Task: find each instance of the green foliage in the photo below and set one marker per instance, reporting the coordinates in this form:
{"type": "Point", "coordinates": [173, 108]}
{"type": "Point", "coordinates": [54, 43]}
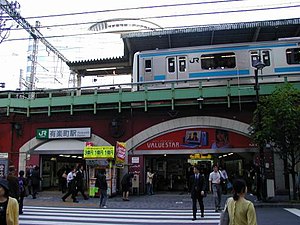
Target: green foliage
{"type": "Point", "coordinates": [279, 116]}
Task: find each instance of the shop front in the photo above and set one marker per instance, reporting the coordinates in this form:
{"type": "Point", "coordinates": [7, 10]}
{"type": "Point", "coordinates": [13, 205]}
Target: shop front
{"type": "Point", "coordinates": [100, 158]}
{"type": "Point", "coordinates": [171, 156]}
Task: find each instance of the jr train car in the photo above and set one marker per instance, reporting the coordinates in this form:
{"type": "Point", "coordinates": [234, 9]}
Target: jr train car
{"type": "Point", "coordinates": [214, 64]}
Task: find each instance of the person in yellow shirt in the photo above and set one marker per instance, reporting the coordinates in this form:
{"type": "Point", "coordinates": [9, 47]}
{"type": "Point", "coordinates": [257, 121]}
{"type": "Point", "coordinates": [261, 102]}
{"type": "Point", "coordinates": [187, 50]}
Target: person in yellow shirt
{"type": "Point", "coordinates": [241, 211]}
{"type": "Point", "coordinates": [9, 207]}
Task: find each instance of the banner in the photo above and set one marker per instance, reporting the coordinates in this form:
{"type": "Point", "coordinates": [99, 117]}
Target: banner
{"type": "Point", "coordinates": [98, 152]}
{"type": "Point", "coordinates": [197, 138]}
{"type": "Point", "coordinates": [120, 153]}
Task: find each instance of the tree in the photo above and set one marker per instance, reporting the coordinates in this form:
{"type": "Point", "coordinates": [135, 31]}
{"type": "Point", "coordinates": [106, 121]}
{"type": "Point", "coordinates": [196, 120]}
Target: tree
{"type": "Point", "coordinates": [276, 122]}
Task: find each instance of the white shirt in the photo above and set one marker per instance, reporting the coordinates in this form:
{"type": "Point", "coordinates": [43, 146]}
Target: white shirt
{"type": "Point", "coordinates": [70, 177]}
{"type": "Point", "coordinates": [215, 177]}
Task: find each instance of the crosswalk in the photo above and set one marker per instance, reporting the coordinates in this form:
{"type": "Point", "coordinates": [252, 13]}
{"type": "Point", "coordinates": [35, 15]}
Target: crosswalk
{"type": "Point", "coordinates": [35, 215]}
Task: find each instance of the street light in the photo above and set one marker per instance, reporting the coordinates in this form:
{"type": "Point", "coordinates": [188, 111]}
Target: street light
{"type": "Point", "coordinates": [259, 65]}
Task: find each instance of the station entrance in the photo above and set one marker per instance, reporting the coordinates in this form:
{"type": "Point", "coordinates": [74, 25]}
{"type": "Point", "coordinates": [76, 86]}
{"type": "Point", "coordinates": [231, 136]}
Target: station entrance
{"type": "Point", "coordinates": [172, 172]}
{"type": "Point", "coordinates": [53, 166]}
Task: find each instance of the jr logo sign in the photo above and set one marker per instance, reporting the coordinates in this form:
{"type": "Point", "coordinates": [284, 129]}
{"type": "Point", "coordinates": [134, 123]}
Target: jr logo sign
{"type": "Point", "coordinates": [42, 134]}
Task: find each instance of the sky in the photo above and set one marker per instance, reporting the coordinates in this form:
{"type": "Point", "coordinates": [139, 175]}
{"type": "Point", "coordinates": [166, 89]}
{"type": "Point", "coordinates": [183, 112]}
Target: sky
{"type": "Point", "coordinates": [76, 42]}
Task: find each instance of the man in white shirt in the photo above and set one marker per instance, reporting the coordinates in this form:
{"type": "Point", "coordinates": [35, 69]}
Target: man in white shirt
{"type": "Point", "coordinates": [215, 186]}
{"type": "Point", "coordinates": [71, 186]}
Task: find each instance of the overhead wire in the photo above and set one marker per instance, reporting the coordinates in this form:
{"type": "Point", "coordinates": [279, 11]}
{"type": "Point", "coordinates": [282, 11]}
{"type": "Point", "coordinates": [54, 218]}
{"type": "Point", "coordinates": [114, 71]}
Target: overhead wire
{"type": "Point", "coordinates": [136, 8]}
{"type": "Point", "coordinates": [169, 16]}
{"type": "Point", "coordinates": [153, 17]}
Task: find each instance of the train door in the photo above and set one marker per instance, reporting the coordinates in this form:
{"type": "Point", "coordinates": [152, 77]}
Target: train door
{"type": "Point", "coordinates": [177, 69]}
{"type": "Point", "coordinates": [264, 56]}
{"type": "Point", "coordinates": [148, 70]}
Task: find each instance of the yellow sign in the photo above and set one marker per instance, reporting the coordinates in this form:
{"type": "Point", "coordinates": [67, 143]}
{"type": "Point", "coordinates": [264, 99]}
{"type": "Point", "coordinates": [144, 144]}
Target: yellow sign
{"type": "Point", "coordinates": [99, 152]}
{"type": "Point", "coordinates": [200, 156]}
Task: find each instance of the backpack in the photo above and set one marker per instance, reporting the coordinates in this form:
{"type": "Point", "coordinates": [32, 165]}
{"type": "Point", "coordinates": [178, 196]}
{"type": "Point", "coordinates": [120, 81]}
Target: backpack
{"type": "Point", "coordinates": [21, 185]}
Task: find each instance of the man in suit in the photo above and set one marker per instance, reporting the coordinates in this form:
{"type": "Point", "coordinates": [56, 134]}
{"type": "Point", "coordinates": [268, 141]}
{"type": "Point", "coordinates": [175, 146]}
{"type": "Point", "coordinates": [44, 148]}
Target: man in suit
{"type": "Point", "coordinates": [197, 189]}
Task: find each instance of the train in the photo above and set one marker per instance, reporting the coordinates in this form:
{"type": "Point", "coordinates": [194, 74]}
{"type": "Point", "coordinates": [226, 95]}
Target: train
{"type": "Point", "coordinates": [214, 64]}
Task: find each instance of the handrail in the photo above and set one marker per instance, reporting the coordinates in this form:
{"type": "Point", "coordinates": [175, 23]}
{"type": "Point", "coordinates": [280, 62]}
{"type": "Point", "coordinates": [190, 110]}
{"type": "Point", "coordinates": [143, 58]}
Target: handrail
{"type": "Point", "coordinates": [128, 86]}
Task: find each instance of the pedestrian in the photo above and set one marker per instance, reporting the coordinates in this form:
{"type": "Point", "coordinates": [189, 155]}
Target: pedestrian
{"type": "Point", "coordinates": [197, 190]}
{"type": "Point", "coordinates": [101, 183]}
{"type": "Point", "coordinates": [35, 178]}
{"type": "Point", "coordinates": [62, 179]}
{"type": "Point", "coordinates": [71, 183]}
{"type": "Point", "coordinates": [13, 183]}
{"type": "Point", "coordinates": [9, 207]}
{"type": "Point", "coordinates": [149, 182]}
{"type": "Point", "coordinates": [240, 210]}
{"type": "Point", "coordinates": [29, 171]}
{"type": "Point", "coordinates": [225, 181]}
{"type": "Point", "coordinates": [215, 180]}
{"type": "Point", "coordinates": [80, 182]}
{"type": "Point", "coordinates": [22, 187]}
{"type": "Point", "coordinates": [126, 185]}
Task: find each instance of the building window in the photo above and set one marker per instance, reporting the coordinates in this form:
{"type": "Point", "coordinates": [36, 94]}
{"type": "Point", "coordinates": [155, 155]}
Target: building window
{"type": "Point", "coordinates": [293, 56]}
{"type": "Point", "coordinates": [218, 61]}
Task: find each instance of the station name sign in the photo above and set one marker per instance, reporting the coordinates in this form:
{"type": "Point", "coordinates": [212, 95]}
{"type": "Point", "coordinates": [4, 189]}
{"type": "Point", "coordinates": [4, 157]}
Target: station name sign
{"type": "Point", "coordinates": [64, 133]}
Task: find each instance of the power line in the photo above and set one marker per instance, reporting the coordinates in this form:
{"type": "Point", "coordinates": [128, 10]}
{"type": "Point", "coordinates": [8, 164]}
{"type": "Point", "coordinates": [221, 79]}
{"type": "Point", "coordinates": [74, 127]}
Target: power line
{"type": "Point", "coordinates": [135, 8]}
{"type": "Point", "coordinates": [166, 16]}
{"type": "Point", "coordinates": [163, 16]}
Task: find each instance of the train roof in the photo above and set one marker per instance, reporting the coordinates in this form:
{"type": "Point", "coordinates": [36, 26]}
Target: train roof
{"type": "Point", "coordinates": [187, 37]}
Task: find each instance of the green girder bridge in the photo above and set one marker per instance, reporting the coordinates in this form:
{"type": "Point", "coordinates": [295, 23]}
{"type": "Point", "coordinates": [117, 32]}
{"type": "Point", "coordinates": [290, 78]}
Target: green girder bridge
{"type": "Point", "coordinates": [121, 96]}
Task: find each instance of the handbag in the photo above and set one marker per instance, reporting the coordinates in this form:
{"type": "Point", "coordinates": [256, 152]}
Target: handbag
{"type": "Point", "coordinates": [224, 217]}
{"type": "Point", "coordinates": [229, 185]}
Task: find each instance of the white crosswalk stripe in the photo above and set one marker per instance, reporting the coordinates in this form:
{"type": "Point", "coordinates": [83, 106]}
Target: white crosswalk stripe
{"type": "Point", "coordinates": [34, 215]}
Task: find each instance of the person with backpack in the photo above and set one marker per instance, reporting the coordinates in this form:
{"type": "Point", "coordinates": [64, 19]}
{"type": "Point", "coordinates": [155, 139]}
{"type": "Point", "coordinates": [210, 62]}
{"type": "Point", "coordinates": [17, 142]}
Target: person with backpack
{"type": "Point", "coordinates": [22, 187]}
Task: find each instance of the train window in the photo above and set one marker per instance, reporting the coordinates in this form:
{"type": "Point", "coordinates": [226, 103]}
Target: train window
{"type": "Point", "coordinates": [293, 56]}
{"type": "Point", "coordinates": [182, 64]}
{"type": "Point", "coordinates": [171, 65]}
{"type": "Point", "coordinates": [148, 65]}
{"type": "Point", "coordinates": [218, 61]}
{"type": "Point", "coordinates": [257, 55]}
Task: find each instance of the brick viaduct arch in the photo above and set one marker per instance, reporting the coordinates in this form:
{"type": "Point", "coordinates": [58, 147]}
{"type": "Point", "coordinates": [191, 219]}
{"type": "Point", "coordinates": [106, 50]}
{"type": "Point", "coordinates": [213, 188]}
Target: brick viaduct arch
{"type": "Point", "coordinates": [147, 134]}
{"type": "Point", "coordinates": [187, 122]}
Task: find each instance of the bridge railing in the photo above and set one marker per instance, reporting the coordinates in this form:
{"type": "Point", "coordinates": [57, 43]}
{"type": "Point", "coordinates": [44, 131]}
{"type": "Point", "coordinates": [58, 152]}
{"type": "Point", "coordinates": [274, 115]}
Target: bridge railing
{"type": "Point", "coordinates": [149, 85]}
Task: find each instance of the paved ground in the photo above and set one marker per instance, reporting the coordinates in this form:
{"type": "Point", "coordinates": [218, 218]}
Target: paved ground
{"type": "Point", "coordinates": [157, 201]}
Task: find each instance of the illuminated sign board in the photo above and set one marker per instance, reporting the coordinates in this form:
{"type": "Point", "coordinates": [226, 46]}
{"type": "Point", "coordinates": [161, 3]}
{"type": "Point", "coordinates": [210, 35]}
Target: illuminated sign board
{"type": "Point", "coordinates": [98, 152]}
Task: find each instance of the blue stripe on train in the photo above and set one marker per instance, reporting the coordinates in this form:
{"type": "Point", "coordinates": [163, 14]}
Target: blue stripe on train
{"type": "Point", "coordinates": [219, 73]}
{"type": "Point", "coordinates": [287, 69]}
{"type": "Point", "coordinates": [159, 77]}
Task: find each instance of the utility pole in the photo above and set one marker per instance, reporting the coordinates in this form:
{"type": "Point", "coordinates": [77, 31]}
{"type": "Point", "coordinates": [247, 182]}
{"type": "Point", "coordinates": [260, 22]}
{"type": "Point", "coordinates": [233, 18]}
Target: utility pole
{"type": "Point", "coordinates": [11, 11]}
{"type": "Point", "coordinates": [261, 181]}
{"type": "Point", "coordinates": [33, 59]}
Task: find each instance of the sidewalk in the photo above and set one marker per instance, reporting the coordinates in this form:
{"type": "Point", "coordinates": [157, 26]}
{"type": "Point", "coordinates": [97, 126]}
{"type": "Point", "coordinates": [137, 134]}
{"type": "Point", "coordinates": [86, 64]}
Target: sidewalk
{"type": "Point", "coordinates": [157, 201]}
